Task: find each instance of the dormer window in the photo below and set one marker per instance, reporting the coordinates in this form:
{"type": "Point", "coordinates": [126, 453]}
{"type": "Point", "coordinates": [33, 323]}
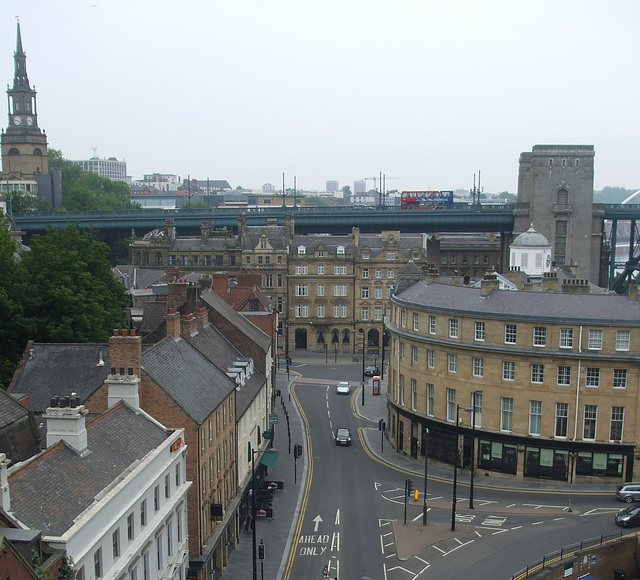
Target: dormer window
{"type": "Point", "coordinates": [301, 250]}
{"type": "Point", "coordinates": [340, 251]}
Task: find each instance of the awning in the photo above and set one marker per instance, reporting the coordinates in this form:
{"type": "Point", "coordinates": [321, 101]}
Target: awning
{"type": "Point", "coordinates": [269, 457]}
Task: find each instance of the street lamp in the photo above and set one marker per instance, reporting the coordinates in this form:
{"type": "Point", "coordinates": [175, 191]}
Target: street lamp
{"type": "Point", "coordinates": [361, 330]}
{"type": "Point", "coordinates": [426, 458]}
{"type": "Point", "coordinates": [455, 471]}
{"type": "Point", "coordinates": [473, 441]}
{"type": "Point", "coordinates": [253, 510]}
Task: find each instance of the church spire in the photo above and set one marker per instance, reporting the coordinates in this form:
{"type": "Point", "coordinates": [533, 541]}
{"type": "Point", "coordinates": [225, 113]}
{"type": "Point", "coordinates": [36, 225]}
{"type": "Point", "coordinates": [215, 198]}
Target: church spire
{"type": "Point", "coordinates": [20, 78]}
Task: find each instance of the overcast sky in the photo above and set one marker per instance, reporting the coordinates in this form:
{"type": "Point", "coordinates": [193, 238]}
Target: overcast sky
{"type": "Point", "coordinates": [426, 92]}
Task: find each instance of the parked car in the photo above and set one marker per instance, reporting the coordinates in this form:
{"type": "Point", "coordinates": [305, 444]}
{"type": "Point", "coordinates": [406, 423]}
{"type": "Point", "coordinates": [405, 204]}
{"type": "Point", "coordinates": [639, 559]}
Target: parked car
{"type": "Point", "coordinates": [628, 492]}
{"type": "Point", "coordinates": [371, 371]}
{"type": "Point", "coordinates": [343, 436]}
{"type": "Point", "coordinates": [343, 388]}
{"type": "Point", "coordinates": [629, 517]}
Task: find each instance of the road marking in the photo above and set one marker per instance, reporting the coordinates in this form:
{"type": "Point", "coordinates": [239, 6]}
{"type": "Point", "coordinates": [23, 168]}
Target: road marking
{"type": "Point", "coordinates": [493, 521]}
{"type": "Point", "coordinates": [336, 522]}
{"type": "Point", "coordinates": [536, 523]}
{"type": "Point", "coordinates": [335, 542]}
{"type": "Point", "coordinates": [317, 521]}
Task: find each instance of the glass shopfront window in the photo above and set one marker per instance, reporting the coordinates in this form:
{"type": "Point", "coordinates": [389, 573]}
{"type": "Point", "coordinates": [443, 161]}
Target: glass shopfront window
{"type": "Point", "coordinates": [543, 463]}
{"type": "Point", "coordinates": [497, 456]}
{"type": "Point", "coordinates": [593, 463]}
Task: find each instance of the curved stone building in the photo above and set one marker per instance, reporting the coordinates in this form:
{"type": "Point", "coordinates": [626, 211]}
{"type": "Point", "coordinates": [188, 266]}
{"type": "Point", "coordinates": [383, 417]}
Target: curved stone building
{"type": "Point", "coordinates": [553, 373]}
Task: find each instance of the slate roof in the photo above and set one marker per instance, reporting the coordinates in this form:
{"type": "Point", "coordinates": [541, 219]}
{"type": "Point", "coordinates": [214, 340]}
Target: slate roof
{"type": "Point", "coordinates": [229, 313]}
{"type": "Point", "coordinates": [187, 376]}
{"type": "Point", "coordinates": [56, 486]}
{"type": "Point", "coordinates": [329, 243]}
{"type": "Point", "coordinates": [19, 437]}
{"type": "Point", "coordinates": [47, 370]}
{"type": "Point", "coordinates": [219, 351]}
{"type": "Point", "coordinates": [277, 236]}
{"type": "Point", "coordinates": [137, 277]}
{"type": "Point", "coordinates": [152, 316]}
{"type": "Point", "coordinates": [600, 309]}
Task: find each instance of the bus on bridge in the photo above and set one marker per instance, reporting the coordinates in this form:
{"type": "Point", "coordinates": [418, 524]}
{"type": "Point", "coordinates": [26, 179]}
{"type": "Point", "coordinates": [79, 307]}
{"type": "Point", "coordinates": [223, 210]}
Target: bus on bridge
{"type": "Point", "coordinates": [426, 200]}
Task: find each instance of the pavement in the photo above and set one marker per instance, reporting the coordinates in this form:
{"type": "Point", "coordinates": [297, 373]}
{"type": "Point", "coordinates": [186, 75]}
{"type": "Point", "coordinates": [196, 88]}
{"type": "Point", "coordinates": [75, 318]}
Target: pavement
{"type": "Point", "coordinates": [410, 538]}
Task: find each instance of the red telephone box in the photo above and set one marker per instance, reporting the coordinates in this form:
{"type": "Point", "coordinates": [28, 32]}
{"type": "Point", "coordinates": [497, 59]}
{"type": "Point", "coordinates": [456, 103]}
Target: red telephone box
{"type": "Point", "coordinates": [376, 385]}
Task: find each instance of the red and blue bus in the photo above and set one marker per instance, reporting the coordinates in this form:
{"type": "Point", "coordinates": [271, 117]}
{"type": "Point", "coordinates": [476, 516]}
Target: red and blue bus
{"type": "Point", "coordinates": [426, 200]}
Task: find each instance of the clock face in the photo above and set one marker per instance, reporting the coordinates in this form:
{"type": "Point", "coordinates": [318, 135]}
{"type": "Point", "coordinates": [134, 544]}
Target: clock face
{"type": "Point", "coordinates": [29, 121]}
{"type": "Point", "coordinates": [17, 120]}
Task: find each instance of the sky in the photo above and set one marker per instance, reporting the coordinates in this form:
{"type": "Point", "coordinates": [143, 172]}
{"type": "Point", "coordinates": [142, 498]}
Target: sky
{"type": "Point", "coordinates": [429, 93]}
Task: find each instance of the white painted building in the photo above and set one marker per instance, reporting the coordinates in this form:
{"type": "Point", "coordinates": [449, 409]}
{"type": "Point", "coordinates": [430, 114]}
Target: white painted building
{"type": "Point", "coordinates": [531, 252]}
{"type": "Point", "coordinates": [112, 493]}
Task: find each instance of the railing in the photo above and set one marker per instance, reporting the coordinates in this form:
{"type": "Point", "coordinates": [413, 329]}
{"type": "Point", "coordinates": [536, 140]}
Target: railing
{"type": "Point", "coordinates": [567, 552]}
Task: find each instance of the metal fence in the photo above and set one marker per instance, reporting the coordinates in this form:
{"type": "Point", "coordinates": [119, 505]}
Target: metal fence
{"type": "Point", "coordinates": [568, 552]}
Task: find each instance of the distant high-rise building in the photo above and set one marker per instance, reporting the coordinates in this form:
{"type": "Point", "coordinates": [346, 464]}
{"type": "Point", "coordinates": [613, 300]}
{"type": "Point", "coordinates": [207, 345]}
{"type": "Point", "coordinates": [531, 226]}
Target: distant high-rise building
{"type": "Point", "coordinates": [268, 188]}
{"type": "Point", "coordinates": [110, 168]}
{"type": "Point", "coordinates": [332, 185]}
{"type": "Point", "coordinates": [359, 186]}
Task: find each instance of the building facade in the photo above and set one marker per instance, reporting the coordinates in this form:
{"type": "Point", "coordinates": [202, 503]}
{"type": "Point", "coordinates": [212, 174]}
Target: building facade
{"type": "Point", "coordinates": [550, 377]}
{"type": "Point", "coordinates": [555, 192]}
{"type": "Point", "coordinates": [110, 168]}
{"type": "Point", "coordinates": [129, 515]}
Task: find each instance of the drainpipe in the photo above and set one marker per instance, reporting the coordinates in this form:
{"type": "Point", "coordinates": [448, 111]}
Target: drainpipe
{"type": "Point", "coordinates": [575, 426]}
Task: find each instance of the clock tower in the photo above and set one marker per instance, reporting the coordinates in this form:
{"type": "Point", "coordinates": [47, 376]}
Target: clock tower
{"type": "Point", "coordinates": [24, 144]}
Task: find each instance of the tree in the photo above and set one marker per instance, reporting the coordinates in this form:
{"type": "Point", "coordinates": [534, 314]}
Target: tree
{"type": "Point", "coordinates": [86, 191]}
{"type": "Point", "coordinates": [77, 298]}
{"type": "Point", "coordinates": [346, 193]}
{"type": "Point", "coordinates": [15, 327]}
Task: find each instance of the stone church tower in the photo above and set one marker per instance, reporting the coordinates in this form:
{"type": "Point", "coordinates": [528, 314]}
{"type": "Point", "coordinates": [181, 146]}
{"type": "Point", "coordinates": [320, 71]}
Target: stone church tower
{"type": "Point", "coordinates": [555, 191]}
{"type": "Point", "coordinates": [25, 157]}
{"type": "Point", "coordinates": [24, 145]}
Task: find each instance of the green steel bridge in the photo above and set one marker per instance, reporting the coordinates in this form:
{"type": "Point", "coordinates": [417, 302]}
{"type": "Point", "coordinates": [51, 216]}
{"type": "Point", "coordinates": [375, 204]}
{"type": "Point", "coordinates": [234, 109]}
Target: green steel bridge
{"type": "Point", "coordinates": [340, 220]}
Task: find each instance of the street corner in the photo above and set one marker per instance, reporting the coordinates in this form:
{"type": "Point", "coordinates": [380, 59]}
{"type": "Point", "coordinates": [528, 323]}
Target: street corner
{"type": "Point", "coordinates": [413, 537]}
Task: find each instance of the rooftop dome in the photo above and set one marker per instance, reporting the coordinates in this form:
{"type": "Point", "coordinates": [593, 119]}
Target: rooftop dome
{"type": "Point", "coordinates": [530, 239]}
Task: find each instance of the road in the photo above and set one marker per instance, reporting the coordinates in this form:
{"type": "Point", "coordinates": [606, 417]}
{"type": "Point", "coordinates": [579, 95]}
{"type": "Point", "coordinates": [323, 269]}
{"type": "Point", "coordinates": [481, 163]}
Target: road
{"type": "Point", "coordinates": [353, 513]}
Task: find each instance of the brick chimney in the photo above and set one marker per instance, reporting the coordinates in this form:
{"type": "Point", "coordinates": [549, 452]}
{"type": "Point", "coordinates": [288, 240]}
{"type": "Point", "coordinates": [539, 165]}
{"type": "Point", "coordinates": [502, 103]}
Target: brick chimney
{"type": "Point", "coordinates": [125, 352]}
{"type": "Point", "coordinates": [575, 286]}
{"type": "Point", "coordinates": [355, 234]}
{"type": "Point", "coordinates": [189, 324]}
{"type": "Point", "coordinates": [489, 282]}
{"type": "Point", "coordinates": [5, 497]}
{"type": "Point", "coordinates": [202, 317]}
{"type": "Point", "coordinates": [65, 420]}
{"type": "Point", "coordinates": [173, 323]}
{"type": "Point", "coordinates": [550, 282]}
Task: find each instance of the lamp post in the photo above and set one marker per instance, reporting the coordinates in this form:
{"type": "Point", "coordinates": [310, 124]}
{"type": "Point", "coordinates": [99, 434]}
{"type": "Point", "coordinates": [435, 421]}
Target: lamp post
{"type": "Point", "coordinates": [361, 330]}
{"type": "Point", "coordinates": [426, 459]}
{"type": "Point", "coordinates": [473, 441]}
{"type": "Point", "coordinates": [455, 472]}
{"type": "Point", "coordinates": [253, 511]}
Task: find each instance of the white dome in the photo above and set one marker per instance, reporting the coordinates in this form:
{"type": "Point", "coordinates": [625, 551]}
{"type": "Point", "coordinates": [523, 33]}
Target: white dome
{"type": "Point", "coordinates": [530, 239]}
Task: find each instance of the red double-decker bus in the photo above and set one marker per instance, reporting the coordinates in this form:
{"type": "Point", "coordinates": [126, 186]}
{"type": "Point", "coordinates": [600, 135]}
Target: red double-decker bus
{"type": "Point", "coordinates": [426, 199]}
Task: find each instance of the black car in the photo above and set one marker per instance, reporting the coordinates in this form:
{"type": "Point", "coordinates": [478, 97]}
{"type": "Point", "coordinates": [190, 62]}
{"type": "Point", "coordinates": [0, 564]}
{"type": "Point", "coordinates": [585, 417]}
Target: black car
{"type": "Point", "coordinates": [629, 517]}
{"type": "Point", "coordinates": [343, 436]}
{"type": "Point", "coordinates": [371, 371]}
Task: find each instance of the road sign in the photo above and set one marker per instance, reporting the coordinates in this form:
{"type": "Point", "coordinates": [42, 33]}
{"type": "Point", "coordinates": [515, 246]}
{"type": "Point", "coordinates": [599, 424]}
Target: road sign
{"type": "Point", "coordinates": [273, 419]}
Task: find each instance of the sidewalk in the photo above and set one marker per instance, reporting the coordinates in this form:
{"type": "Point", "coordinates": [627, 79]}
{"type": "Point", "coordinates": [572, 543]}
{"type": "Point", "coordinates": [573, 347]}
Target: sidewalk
{"type": "Point", "coordinates": [278, 533]}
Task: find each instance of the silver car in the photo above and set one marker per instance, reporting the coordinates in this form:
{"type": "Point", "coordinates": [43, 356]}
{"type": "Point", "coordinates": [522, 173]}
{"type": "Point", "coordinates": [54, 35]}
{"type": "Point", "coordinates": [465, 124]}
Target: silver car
{"type": "Point", "coordinates": [628, 492]}
{"type": "Point", "coordinates": [343, 388]}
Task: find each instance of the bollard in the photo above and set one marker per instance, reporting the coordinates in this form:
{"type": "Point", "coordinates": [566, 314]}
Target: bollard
{"type": "Point", "coordinates": [570, 505]}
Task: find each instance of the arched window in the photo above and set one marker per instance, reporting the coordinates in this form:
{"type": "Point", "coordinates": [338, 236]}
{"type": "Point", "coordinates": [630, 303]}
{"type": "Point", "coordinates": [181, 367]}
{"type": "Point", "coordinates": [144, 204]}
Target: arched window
{"type": "Point", "coordinates": [345, 336]}
{"type": "Point", "coordinates": [334, 336]}
{"type": "Point", "coordinates": [562, 197]}
{"type": "Point", "coordinates": [14, 151]}
{"type": "Point", "coordinates": [37, 151]}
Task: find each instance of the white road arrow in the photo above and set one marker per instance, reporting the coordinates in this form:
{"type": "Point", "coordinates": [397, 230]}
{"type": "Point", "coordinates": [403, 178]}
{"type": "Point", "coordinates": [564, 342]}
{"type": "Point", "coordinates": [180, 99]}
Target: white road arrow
{"type": "Point", "coordinates": [317, 521]}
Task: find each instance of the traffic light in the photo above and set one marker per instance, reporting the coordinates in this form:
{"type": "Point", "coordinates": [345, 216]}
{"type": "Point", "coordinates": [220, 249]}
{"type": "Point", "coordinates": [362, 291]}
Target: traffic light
{"type": "Point", "coordinates": [261, 550]}
{"type": "Point", "coordinates": [409, 487]}
{"type": "Point", "coordinates": [297, 451]}
{"type": "Point", "coordinates": [415, 494]}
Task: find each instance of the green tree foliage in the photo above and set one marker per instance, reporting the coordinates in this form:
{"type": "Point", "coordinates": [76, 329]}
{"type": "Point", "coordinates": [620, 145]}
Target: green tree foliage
{"type": "Point", "coordinates": [71, 294]}
{"type": "Point", "coordinates": [613, 195]}
{"type": "Point", "coordinates": [87, 191]}
{"type": "Point", "coordinates": [15, 327]}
